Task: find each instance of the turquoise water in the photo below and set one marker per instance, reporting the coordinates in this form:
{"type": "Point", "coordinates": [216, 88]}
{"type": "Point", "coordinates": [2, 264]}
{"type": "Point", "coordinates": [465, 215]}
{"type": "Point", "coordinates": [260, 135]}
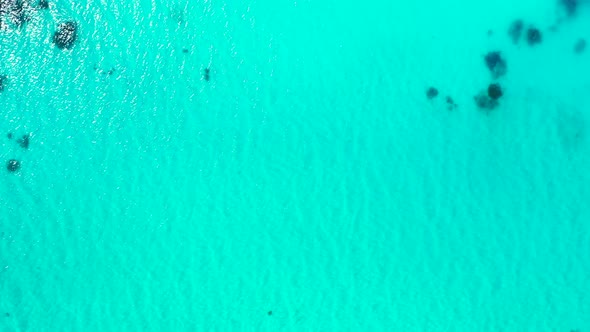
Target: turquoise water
{"type": "Point", "coordinates": [309, 185]}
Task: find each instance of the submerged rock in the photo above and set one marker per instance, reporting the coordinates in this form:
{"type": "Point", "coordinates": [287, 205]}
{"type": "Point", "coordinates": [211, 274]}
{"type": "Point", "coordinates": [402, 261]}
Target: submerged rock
{"type": "Point", "coordinates": [13, 165]}
{"type": "Point", "coordinates": [534, 36]}
{"type": "Point", "coordinates": [66, 35]}
{"type": "Point", "coordinates": [496, 64]}
{"type": "Point", "coordinates": [580, 46]}
{"type": "Point", "coordinates": [206, 74]}
{"type": "Point", "coordinates": [484, 102]}
{"type": "Point", "coordinates": [431, 92]}
{"type": "Point", "coordinates": [570, 6]}
{"type": "Point", "coordinates": [2, 82]}
{"type": "Point", "coordinates": [43, 4]}
{"type": "Point", "coordinates": [18, 13]}
{"type": "Point", "coordinates": [451, 103]}
{"type": "Point", "coordinates": [24, 141]}
{"type": "Point", "coordinates": [515, 31]}
{"type": "Point", "coordinates": [495, 91]}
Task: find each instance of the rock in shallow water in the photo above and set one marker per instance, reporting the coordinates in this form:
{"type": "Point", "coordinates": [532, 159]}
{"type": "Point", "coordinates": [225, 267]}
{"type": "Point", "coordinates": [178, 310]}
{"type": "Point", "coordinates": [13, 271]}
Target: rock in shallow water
{"type": "Point", "coordinates": [496, 64]}
{"type": "Point", "coordinates": [534, 36]}
{"type": "Point", "coordinates": [66, 35]}
{"type": "Point", "coordinates": [13, 165]}
{"type": "Point", "coordinates": [484, 102]}
{"type": "Point", "coordinates": [580, 46]}
{"type": "Point", "coordinates": [515, 30]}
{"type": "Point", "coordinates": [431, 92]}
{"type": "Point", "coordinates": [495, 91]}
{"type": "Point", "coordinates": [24, 141]}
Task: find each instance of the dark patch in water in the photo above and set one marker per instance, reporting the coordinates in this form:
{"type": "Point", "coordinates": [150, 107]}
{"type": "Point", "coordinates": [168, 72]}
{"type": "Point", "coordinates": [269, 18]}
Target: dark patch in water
{"type": "Point", "coordinates": [534, 36]}
{"type": "Point", "coordinates": [515, 31]}
{"type": "Point", "coordinates": [66, 35]}
{"type": "Point", "coordinates": [580, 46]}
{"type": "Point", "coordinates": [484, 102]}
{"type": "Point", "coordinates": [570, 6]}
{"type": "Point", "coordinates": [451, 103]}
{"type": "Point", "coordinates": [13, 165]}
{"type": "Point", "coordinates": [431, 92]}
{"type": "Point", "coordinates": [495, 91]}
{"type": "Point", "coordinates": [496, 64]}
{"type": "Point", "coordinates": [2, 82]}
{"type": "Point", "coordinates": [24, 141]}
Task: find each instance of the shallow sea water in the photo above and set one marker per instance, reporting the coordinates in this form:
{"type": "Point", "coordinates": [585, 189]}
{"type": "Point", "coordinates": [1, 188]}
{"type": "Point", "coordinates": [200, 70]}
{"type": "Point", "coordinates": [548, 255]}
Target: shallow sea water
{"type": "Point", "coordinates": [309, 185]}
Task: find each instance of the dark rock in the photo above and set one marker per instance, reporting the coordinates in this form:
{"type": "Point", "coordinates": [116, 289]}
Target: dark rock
{"type": "Point", "coordinates": [534, 36]}
{"type": "Point", "coordinates": [13, 165]}
{"type": "Point", "coordinates": [450, 103]}
{"type": "Point", "coordinates": [24, 142]}
{"type": "Point", "coordinates": [495, 91]}
{"type": "Point", "coordinates": [270, 313]}
{"type": "Point", "coordinates": [515, 31]}
{"type": "Point", "coordinates": [484, 102]}
{"type": "Point", "coordinates": [66, 35]}
{"type": "Point", "coordinates": [496, 64]}
{"type": "Point", "coordinates": [43, 4]}
{"type": "Point", "coordinates": [206, 74]}
{"type": "Point", "coordinates": [431, 93]}
{"type": "Point", "coordinates": [18, 14]}
{"type": "Point", "coordinates": [580, 46]}
{"type": "Point", "coordinates": [9, 135]}
{"type": "Point", "coordinates": [2, 82]}
{"type": "Point", "coordinates": [570, 6]}
{"type": "Point", "coordinates": [184, 50]}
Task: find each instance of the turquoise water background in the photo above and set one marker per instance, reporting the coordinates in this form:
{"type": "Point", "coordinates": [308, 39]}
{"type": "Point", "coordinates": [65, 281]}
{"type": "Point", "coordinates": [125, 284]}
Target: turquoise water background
{"type": "Point", "coordinates": [310, 185]}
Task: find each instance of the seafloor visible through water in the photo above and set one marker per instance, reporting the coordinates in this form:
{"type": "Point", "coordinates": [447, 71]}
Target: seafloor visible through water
{"type": "Point", "coordinates": [258, 165]}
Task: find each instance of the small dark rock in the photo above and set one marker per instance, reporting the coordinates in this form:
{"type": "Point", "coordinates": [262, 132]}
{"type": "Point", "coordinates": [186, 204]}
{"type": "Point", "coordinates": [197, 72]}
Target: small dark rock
{"type": "Point", "coordinates": [206, 74]}
{"type": "Point", "coordinates": [184, 50]}
{"type": "Point", "coordinates": [515, 31]}
{"type": "Point", "coordinates": [580, 46]}
{"type": "Point", "coordinates": [495, 91]}
{"type": "Point", "coordinates": [431, 93]}
{"type": "Point", "coordinates": [270, 313]}
{"type": "Point", "coordinates": [2, 81]}
{"type": "Point", "coordinates": [7, 314]}
{"type": "Point", "coordinates": [13, 165]}
{"type": "Point", "coordinates": [483, 101]}
{"type": "Point", "coordinates": [450, 103]}
{"type": "Point", "coordinates": [9, 135]}
{"type": "Point", "coordinates": [24, 142]}
{"type": "Point", "coordinates": [570, 6]}
{"type": "Point", "coordinates": [18, 14]}
{"type": "Point", "coordinates": [534, 36]}
{"type": "Point", "coordinates": [496, 64]}
{"type": "Point", "coordinates": [66, 35]}
{"type": "Point", "coordinates": [43, 4]}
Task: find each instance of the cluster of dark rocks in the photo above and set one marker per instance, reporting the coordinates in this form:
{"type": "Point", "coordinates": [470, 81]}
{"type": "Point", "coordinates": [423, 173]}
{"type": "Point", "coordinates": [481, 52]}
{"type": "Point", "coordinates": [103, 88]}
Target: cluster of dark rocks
{"type": "Point", "coordinates": [432, 93]}
{"type": "Point", "coordinates": [489, 98]}
{"type": "Point", "coordinates": [13, 165]}
{"type": "Point", "coordinates": [17, 13]}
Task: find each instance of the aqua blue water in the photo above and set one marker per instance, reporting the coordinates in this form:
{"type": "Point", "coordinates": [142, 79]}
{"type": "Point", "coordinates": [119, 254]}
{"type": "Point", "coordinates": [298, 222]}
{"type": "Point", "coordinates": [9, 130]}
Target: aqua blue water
{"type": "Point", "coordinates": [309, 185]}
